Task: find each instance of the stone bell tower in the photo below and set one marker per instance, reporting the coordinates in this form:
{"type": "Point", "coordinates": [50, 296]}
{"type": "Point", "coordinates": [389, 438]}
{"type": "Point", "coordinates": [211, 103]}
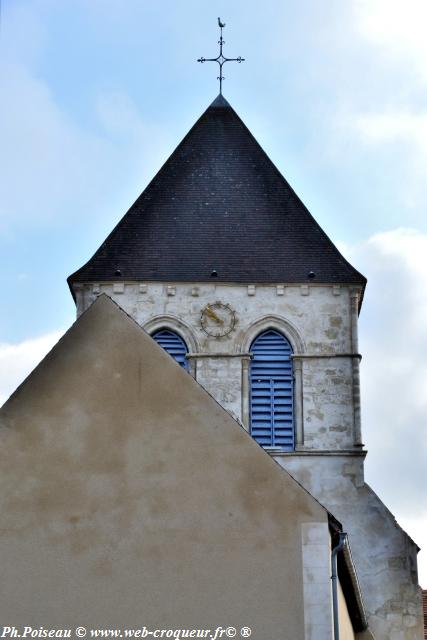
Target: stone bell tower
{"type": "Point", "coordinates": [220, 261]}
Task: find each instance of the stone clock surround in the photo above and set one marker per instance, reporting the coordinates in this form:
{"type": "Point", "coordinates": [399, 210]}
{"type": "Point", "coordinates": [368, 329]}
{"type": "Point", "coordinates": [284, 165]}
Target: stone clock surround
{"type": "Point", "coordinates": [217, 319]}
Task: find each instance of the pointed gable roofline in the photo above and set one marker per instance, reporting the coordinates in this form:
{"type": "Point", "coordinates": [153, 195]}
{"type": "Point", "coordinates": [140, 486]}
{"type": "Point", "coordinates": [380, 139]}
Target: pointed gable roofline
{"type": "Point", "coordinates": [218, 204]}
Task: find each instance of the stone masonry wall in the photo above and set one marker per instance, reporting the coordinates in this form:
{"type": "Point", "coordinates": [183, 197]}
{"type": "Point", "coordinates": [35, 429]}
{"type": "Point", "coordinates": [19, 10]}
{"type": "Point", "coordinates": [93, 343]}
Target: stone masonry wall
{"type": "Point", "coordinates": [321, 324]}
{"type": "Point", "coordinates": [315, 319]}
{"type": "Point", "coordinates": [384, 555]}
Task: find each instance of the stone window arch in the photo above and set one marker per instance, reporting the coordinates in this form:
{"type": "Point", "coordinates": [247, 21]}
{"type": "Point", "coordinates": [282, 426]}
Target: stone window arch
{"type": "Point", "coordinates": [173, 344]}
{"type": "Point", "coordinates": [297, 345]}
{"type": "Point", "coordinates": [277, 323]}
{"type": "Point", "coordinates": [166, 323]}
{"type": "Point", "coordinates": [272, 391]}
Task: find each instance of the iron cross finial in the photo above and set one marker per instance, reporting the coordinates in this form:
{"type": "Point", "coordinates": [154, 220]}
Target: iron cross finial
{"type": "Point", "coordinates": [221, 59]}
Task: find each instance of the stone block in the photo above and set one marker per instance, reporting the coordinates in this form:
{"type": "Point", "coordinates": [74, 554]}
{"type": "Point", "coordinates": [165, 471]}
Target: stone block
{"type": "Point", "coordinates": [315, 533]}
{"type": "Point", "coordinates": [316, 556]}
{"type": "Point", "coordinates": [410, 621]}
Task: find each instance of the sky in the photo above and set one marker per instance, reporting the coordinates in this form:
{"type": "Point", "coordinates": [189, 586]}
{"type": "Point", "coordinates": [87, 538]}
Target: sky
{"type": "Point", "coordinates": [95, 95]}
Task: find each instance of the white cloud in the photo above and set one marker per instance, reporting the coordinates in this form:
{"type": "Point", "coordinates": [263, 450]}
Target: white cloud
{"type": "Point", "coordinates": [416, 527]}
{"type": "Point", "coordinates": [141, 145]}
{"type": "Point", "coordinates": [393, 342]}
{"type": "Point", "coordinates": [399, 130]}
{"type": "Point", "coordinates": [392, 126]}
{"type": "Point", "coordinates": [59, 163]}
{"type": "Point", "coordinates": [392, 141]}
{"type": "Point", "coordinates": [24, 34]}
{"type": "Point", "coordinates": [18, 360]}
{"type": "Point", "coordinates": [54, 169]}
{"type": "Point", "coordinates": [119, 115]}
{"type": "Point", "coordinates": [397, 27]}
{"type": "Point", "coordinates": [46, 160]}
{"type": "Point", "coordinates": [401, 265]}
{"type": "Point", "coordinates": [381, 113]}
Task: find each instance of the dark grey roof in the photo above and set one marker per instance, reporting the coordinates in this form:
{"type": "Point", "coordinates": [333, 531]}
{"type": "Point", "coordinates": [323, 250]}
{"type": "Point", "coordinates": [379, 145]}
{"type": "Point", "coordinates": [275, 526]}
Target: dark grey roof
{"type": "Point", "coordinates": [218, 203]}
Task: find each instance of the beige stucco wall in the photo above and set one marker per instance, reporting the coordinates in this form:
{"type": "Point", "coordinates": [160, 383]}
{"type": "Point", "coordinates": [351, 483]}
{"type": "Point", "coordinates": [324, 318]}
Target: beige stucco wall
{"type": "Point", "coordinates": [129, 497]}
{"type": "Point", "coordinates": [344, 622]}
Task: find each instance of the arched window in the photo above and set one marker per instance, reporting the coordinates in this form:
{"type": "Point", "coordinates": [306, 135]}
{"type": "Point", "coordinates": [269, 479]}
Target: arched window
{"type": "Point", "coordinates": [173, 344]}
{"type": "Point", "coordinates": [271, 384]}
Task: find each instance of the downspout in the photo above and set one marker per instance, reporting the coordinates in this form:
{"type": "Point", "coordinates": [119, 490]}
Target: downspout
{"type": "Point", "coordinates": [334, 578]}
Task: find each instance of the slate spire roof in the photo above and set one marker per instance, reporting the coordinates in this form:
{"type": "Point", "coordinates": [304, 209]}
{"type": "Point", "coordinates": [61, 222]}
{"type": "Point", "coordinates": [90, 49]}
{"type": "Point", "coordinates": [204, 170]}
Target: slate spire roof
{"type": "Point", "coordinates": [218, 204]}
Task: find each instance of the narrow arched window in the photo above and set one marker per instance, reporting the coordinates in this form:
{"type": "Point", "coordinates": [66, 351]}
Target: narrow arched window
{"type": "Point", "coordinates": [271, 390]}
{"type": "Point", "coordinates": [173, 344]}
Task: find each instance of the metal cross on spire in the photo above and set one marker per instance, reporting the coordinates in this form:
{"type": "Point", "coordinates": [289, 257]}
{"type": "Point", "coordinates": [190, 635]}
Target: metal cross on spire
{"type": "Point", "coordinates": [221, 59]}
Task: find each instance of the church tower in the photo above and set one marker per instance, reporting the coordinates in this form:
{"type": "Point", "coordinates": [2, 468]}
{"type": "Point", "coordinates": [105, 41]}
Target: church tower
{"type": "Point", "coordinates": [223, 265]}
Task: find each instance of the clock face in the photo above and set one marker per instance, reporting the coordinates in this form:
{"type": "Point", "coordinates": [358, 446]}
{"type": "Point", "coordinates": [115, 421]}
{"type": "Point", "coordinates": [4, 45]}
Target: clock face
{"type": "Point", "coordinates": [217, 319]}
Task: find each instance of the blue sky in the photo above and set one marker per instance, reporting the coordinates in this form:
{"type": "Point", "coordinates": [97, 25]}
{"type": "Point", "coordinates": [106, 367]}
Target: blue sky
{"type": "Point", "coordinates": [96, 95]}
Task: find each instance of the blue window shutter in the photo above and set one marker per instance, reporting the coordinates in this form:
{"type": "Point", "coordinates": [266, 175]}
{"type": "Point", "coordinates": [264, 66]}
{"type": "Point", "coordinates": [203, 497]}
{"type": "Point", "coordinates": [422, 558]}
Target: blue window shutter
{"type": "Point", "coordinates": [173, 344]}
{"type": "Point", "coordinates": [271, 384]}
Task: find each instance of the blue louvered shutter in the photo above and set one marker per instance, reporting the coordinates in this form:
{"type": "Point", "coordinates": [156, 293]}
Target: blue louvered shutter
{"type": "Point", "coordinates": [271, 382]}
{"type": "Point", "coordinates": [173, 344]}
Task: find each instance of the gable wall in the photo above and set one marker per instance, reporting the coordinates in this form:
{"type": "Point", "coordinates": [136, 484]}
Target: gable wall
{"type": "Point", "coordinates": [130, 497]}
